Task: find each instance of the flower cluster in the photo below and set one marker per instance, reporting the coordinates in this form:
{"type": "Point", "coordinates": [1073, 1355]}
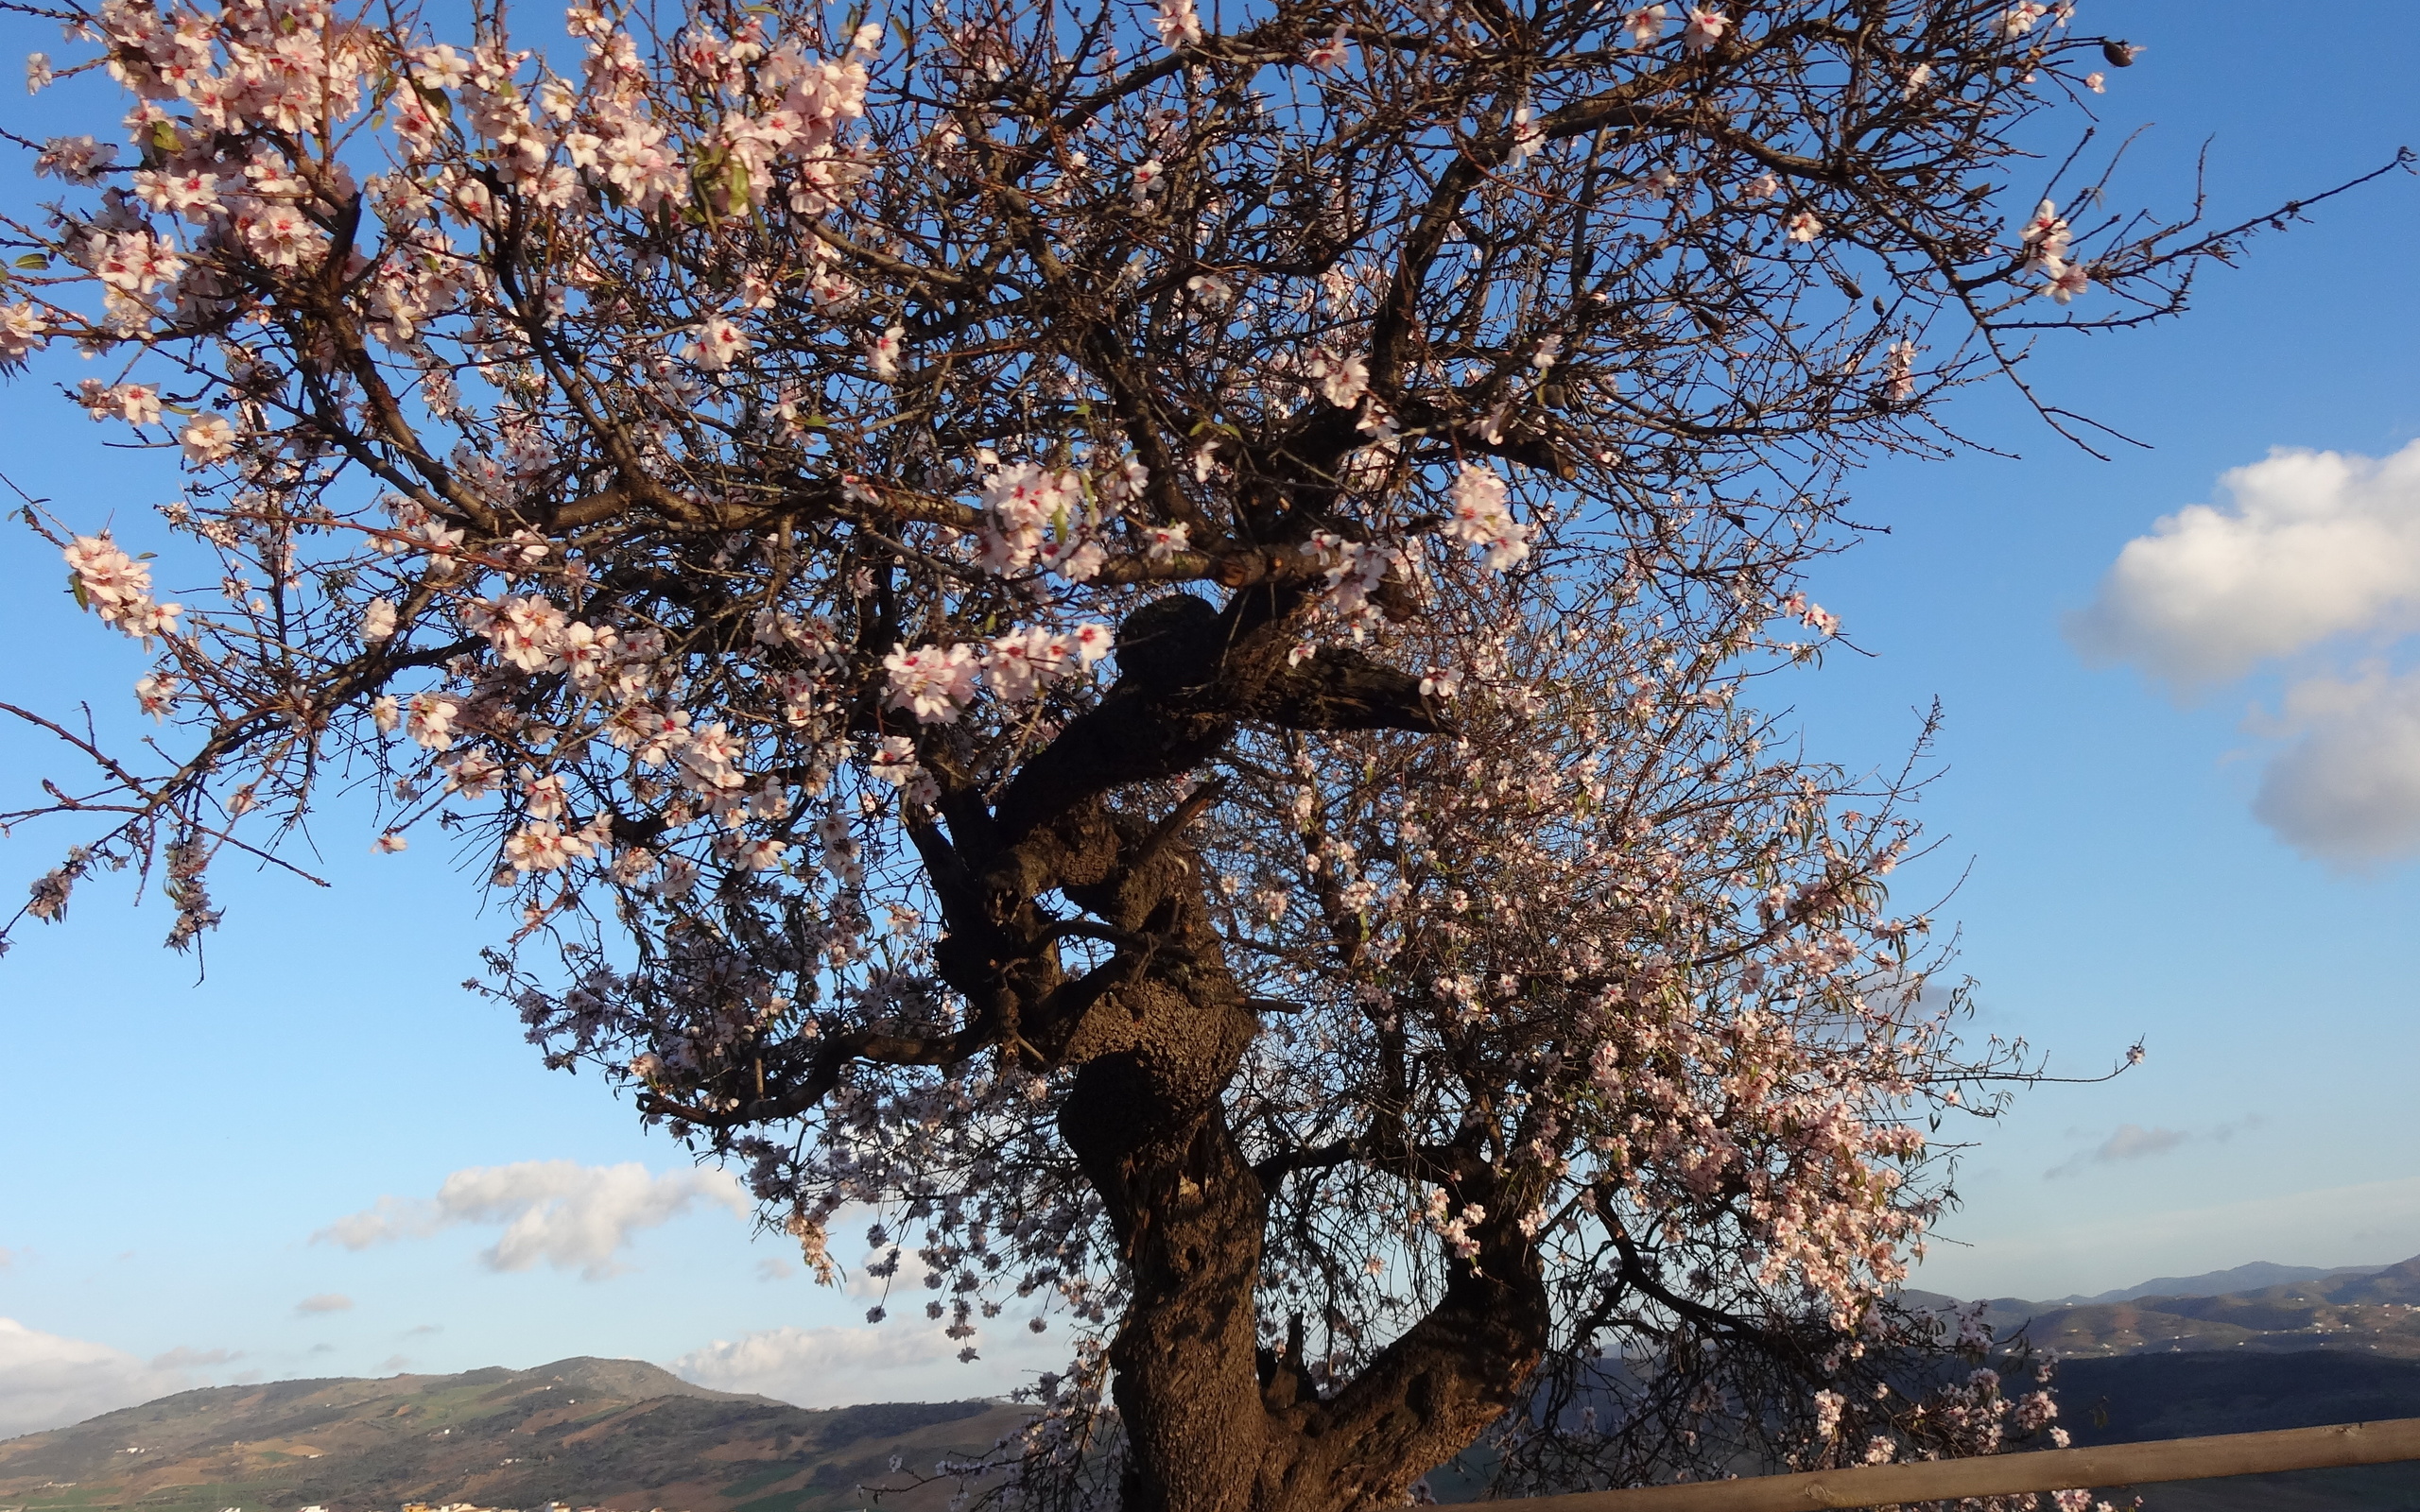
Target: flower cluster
{"type": "Point", "coordinates": [118, 588]}
{"type": "Point", "coordinates": [1482, 515]}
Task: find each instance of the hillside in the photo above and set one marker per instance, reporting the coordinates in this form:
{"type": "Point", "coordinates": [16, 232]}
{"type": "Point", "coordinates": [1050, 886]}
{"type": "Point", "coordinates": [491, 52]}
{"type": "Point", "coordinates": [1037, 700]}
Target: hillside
{"type": "Point", "coordinates": [2376, 1312]}
{"type": "Point", "coordinates": [2332, 1347]}
{"type": "Point", "coordinates": [2250, 1278]}
{"type": "Point", "coordinates": [2321, 1347]}
{"type": "Point", "coordinates": [611, 1433]}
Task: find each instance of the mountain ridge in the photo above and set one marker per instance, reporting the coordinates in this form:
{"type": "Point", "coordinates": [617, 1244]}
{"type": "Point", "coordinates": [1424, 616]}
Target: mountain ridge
{"type": "Point", "coordinates": [614, 1435]}
{"type": "Point", "coordinates": [2255, 1276]}
{"type": "Point", "coordinates": [622, 1435]}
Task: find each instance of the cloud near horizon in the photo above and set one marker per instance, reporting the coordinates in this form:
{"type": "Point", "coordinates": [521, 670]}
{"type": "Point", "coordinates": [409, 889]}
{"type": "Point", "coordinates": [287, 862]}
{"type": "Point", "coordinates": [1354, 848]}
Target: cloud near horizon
{"type": "Point", "coordinates": [565, 1215]}
{"type": "Point", "coordinates": [2311, 552]}
{"type": "Point", "coordinates": [814, 1367]}
{"type": "Point", "coordinates": [47, 1381]}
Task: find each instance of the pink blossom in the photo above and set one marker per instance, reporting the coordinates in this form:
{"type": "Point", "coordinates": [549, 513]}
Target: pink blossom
{"type": "Point", "coordinates": [762, 855]}
{"type": "Point", "coordinates": [1804, 227]}
{"type": "Point", "coordinates": [1705, 28]}
{"type": "Point", "coordinates": [1899, 371]}
{"type": "Point", "coordinates": [22, 332]}
{"type": "Point", "coordinates": [76, 159]}
{"type": "Point", "coordinates": [135, 404]}
{"type": "Point", "coordinates": [1342, 380]}
{"type": "Point", "coordinates": [882, 354]}
{"type": "Point", "coordinates": [430, 720]}
{"type": "Point", "coordinates": [894, 761]}
{"type": "Point", "coordinates": [282, 238]}
{"type": "Point", "coordinates": [207, 439]}
{"type": "Point", "coordinates": [1482, 516]}
{"type": "Point", "coordinates": [1645, 23]}
{"type": "Point", "coordinates": [153, 692]}
{"type": "Point", "coordinates": [475, 774]}
{"type": "Point", "coordinates": [932, 682]}
{"type": "Point", "coordinates": [1177, 23]}
{"type": "Point", "coordinates": [544, 846]}
{"type": "Point", "coordinates": [1162, 542]}
{"type": "Point", "coordinates": [2045, 236]}
{"type": "Point", "coordinates": [718, 344]}
{"type": "Point", "coordinates": [440, 67]}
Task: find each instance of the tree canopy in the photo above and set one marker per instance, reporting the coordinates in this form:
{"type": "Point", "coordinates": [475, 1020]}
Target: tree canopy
{"type": "Point", "coordinates": [1121, 641]}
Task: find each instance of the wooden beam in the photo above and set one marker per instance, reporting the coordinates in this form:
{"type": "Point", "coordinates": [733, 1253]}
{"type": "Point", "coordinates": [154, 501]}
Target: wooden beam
{"type": "Point", "coordinates": [2052, 1469]}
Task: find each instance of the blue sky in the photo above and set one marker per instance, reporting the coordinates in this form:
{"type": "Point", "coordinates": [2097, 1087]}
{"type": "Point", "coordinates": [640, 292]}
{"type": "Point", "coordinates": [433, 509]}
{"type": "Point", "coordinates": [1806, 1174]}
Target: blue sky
{"type": "Point", "coordinates": [169, 1149]}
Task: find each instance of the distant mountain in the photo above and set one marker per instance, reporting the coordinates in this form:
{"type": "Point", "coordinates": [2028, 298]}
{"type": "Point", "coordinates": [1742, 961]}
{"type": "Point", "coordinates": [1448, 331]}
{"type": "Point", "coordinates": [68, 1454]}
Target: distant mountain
{"type": "Point", "coordinates": [2372, 1311]}
{"type": "Point", "coordinates": [608, 1434]}
{"type": "Point", "coordinates": [2251, 1277]}
{"type": "Point", "coordinates": [2296, 1346]}
{"type": "Point", "coordinates": [2336, 1345]}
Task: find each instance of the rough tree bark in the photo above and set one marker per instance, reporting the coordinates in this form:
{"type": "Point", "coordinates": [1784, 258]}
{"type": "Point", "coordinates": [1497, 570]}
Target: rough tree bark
{"type": "Point", "coordinates": [1214, 1421]}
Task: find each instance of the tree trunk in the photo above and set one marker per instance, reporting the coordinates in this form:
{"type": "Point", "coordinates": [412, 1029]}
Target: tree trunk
{"type": "Point", "coordinates": [1212, 1423]}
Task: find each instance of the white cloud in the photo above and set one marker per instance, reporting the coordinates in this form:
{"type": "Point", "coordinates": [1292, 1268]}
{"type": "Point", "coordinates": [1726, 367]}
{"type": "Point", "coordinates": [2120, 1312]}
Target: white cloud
{"type": "Point", "coordinates": [817, 1367]}
{"type": "Point", "coordinates": [324, 1302]}
{"type": "Point", "coordinates": [2311, 551]}
{"type": "Point", "coordinates": [2349, 789]}
{"type": "Point", "coordinates": [564, 1213]}
{"type": "Point", "coordinates": [48, 1382]}
{"type": "Point", "coordinates": [2309, 546]}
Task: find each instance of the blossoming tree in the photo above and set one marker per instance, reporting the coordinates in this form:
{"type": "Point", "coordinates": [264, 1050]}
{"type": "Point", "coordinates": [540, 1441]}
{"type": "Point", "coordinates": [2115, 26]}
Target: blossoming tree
{"type": "Point", "coordinates": [1112, 639]}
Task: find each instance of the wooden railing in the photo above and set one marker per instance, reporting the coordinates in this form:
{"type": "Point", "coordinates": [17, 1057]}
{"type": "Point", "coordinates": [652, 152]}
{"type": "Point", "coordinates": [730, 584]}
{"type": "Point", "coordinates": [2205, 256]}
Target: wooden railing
{"type": "Point", "coordinates": [2053, 1469]}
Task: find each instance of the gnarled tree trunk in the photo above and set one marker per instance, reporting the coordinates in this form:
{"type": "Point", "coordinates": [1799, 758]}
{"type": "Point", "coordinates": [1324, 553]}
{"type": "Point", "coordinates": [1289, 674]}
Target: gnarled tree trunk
{"type": "Point", "coordinates": [1214, 1421]}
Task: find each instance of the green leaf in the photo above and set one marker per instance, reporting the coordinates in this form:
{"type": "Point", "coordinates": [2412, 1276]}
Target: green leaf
{"type": "Point", "coordinates": [33, 262]}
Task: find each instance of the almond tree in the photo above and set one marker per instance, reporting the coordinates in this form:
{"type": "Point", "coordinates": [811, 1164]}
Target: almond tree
{"type": "Point", "coordinates": [1114, 640]}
